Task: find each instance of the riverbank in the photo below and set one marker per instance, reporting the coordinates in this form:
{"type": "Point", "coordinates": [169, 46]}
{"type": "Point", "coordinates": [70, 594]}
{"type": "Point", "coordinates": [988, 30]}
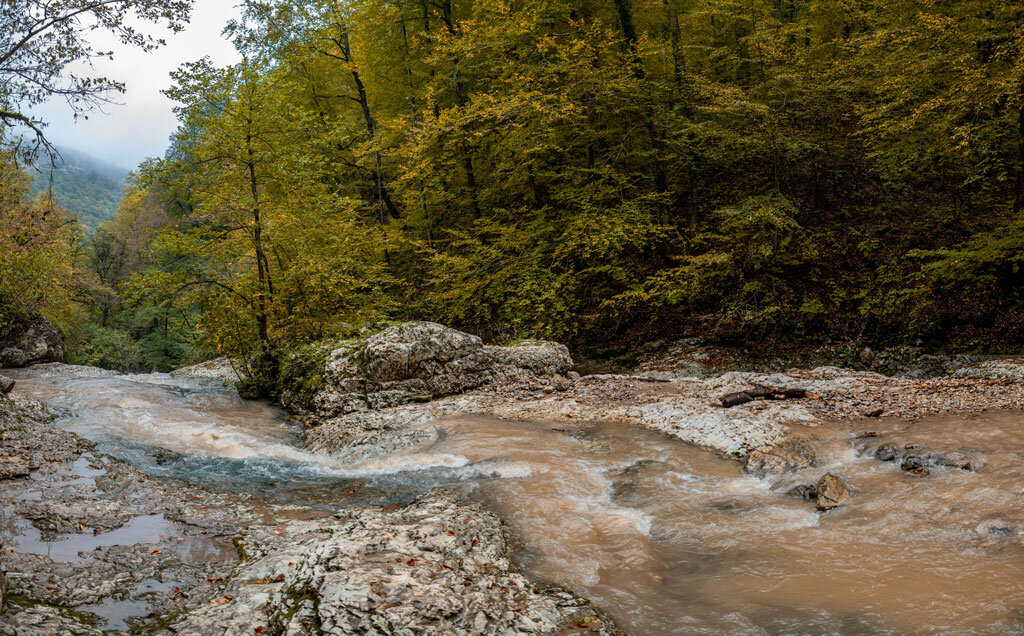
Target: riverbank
{"type": "Point", "coordinates": [688, 409]}
{"type": "Point", "coordinates": [90, 544]}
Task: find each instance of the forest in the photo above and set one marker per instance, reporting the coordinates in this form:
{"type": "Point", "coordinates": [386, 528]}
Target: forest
{"type": "Point", "coordinates": [601, 172]}
{"type": "Point", "coordinates": [89, 189]}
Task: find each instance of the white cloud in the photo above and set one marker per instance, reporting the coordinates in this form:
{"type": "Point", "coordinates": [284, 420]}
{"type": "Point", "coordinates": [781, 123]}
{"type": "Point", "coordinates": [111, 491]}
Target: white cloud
{"type": "Point", "coordinates": [139, 127]}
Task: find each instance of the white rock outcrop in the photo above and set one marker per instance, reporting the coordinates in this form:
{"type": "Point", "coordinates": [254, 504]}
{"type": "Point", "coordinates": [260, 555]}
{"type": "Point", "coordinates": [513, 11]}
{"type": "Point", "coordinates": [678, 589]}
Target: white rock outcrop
{"type": "Point", "coordinates": [435, 567]}
{"type": "Point", "coordinates": [420, 361]}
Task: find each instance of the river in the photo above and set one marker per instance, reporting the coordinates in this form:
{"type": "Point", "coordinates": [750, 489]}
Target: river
{"type": "Point", "coordinates": [664, 537]}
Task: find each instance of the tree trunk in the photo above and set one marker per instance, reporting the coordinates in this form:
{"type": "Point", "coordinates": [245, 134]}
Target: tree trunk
{"type": "Point", "coordinates": [625, 11]}
{"type": "Point", "coordinates": [262, 275]}
{"type": "Point", "coordinates": [1018, 198]}
{"type": "Point", "coordinates": [674, 36]}
{"type": "Point", "coordinates": [467, 164]}
{"type": "Point", "coordinates": [383, 196]}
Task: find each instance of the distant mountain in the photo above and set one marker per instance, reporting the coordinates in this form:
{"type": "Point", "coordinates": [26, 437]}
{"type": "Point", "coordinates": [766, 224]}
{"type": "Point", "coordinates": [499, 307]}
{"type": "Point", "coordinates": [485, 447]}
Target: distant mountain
{"type": "Point", "coordinates": [85, 186]}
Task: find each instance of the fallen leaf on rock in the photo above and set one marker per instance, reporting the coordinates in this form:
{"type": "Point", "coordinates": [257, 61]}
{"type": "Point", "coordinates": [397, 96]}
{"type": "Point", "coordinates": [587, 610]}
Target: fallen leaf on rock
{"type": "Point", "coordinates": [224, 600]}
{"type": "Point", "coordinates": [154, 552]}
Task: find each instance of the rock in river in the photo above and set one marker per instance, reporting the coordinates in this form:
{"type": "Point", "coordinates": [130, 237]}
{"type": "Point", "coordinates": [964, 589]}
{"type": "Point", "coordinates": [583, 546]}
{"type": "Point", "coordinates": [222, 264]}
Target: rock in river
{"type": "Point", "coordinates": [831, 491]}
{"type": "Point", "coordinates": [807, 492]}
{"type": "Point", "coordinates": [886, 453]}
{"type": "Point", "coordinates": [784, 458]}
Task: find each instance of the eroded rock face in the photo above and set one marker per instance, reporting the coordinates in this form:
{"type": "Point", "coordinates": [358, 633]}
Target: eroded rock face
{"type": "Point", "coordinates": [418, 361]}
{"type": "Point", "coordinates": [435, 567]}
{"type": "Point", "coordinates": [24, 341]}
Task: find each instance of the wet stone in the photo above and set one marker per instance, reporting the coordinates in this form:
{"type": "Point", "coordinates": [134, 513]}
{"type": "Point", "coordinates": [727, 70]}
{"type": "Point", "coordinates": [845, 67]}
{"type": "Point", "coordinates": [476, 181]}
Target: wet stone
{"type": "Point", "coordinates": [995, 529]}
{"type": "Point", "coordinates": [784, 458]}
{"type": "Point", "coordinates": [961, 461]}
{"type": "Point", "coordinates": [885, 453]}
{"type": "Point", "coordinates": [807, 492]}
{"type": "Point", "coordinates": [913, 462]}
{"type": "Point", "coordinates": [13, 467]}
{"type": "Point", "coordinates": [832, 492]}
{"type": "Point", "coordinates": [6, 385]}
{"type": "Point", "coordinates": [728, 505]}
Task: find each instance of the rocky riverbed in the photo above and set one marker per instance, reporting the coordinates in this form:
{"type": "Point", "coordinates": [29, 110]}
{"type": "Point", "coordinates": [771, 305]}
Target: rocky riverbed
{"type": "Point", "coordinates": [688, 408]}
{"type": "Point", "coordinates": [91, 545]}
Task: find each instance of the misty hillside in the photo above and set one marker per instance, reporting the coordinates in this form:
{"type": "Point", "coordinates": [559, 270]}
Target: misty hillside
{"type": "Point", "coordinates": [85, 186]}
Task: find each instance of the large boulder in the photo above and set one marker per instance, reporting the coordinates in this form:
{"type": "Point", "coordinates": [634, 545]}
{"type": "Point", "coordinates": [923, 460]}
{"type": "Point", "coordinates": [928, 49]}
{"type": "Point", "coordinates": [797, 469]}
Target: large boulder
{"type": "Point", "coordinates": [419, 361]}
{"type": "Point", "coordinates": [27, 340]}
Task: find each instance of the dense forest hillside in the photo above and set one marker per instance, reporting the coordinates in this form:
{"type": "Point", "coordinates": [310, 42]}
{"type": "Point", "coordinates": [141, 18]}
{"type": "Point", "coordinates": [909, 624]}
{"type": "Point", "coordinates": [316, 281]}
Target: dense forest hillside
{"type": "Point", "coordinates": [88, 188]}
{"type": "Point", "coordinates": [602, 172]}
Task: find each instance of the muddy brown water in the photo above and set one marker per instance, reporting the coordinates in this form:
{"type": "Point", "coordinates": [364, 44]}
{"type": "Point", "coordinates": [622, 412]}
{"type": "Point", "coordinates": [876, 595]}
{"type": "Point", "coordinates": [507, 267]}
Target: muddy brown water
{"type": "Point", "coordinates": [664, 537]}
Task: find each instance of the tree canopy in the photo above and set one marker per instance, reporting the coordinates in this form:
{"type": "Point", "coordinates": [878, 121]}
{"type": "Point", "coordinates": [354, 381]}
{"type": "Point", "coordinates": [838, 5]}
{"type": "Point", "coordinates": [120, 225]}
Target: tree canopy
{"type": "Point", "coordinates": [43, 46]}
{"type": "Point", "coordinates": [604, 172]}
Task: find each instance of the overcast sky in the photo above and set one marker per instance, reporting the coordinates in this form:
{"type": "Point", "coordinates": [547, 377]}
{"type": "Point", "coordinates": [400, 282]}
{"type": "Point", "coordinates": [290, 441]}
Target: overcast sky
{"type": "Point", "coordinates": [140, 125]}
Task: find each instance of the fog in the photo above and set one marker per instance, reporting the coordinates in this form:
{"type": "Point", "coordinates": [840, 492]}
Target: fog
{"type": "Point", "coordinates": [139, 123]}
